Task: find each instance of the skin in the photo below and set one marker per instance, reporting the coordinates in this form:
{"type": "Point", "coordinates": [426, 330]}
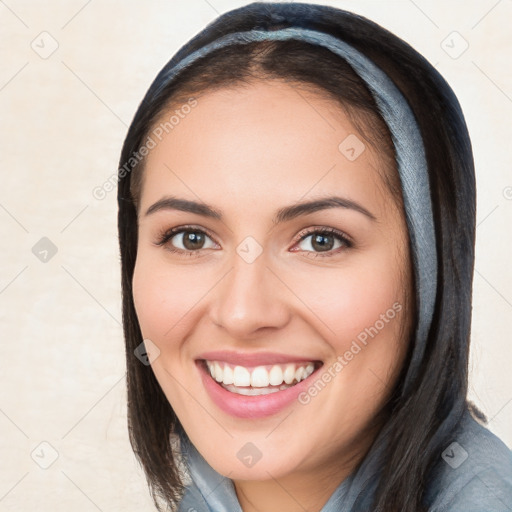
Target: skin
{"type": "Point", "coordinates": [248, 152]}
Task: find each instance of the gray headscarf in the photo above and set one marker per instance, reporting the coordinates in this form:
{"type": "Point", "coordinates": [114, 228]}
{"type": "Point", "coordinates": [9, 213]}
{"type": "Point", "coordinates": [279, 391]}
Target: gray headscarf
{"type": "Point", "coordinates": [210, 491]}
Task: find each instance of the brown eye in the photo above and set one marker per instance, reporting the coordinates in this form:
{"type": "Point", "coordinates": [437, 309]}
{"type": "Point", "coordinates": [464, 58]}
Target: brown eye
{"type": "Point", "coordinates": [324, 241]}
{"type": "Point", "coordinates": [193, 240]}
{"type": "Point", "coordinates": [321, 242]}
{"type": "Point", "coordinates": [186, 240]}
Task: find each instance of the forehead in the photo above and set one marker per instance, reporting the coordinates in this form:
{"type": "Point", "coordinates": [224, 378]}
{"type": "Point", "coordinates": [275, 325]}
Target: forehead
{"type": "Point", "coordinates": [267, 140]}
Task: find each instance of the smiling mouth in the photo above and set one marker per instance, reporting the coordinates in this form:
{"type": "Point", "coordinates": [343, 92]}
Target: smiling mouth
{"type": "Point", "coordinates": [259, 380]}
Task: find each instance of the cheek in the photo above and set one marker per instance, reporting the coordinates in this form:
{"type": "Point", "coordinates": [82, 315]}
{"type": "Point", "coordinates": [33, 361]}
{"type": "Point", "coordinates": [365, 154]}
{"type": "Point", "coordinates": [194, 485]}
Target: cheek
{"type": "Point", "coordinates": [363, 309]}
{"type": "Point", "coordinates": [353, 298]}
{"type": "Point", "coordinates": [163, 295]}
{"type": "Point", "coordinates": [359, 310]}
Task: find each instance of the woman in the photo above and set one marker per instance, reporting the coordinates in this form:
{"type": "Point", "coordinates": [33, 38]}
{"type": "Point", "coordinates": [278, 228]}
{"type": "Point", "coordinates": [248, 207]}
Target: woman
{"type": "Point", "coordinates": [297, 224]}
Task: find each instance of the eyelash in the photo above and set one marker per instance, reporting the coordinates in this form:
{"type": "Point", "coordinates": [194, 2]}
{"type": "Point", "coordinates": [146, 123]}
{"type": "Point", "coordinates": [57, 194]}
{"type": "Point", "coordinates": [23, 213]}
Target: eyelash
{"type": "Point", "coordinates": [166, 236]}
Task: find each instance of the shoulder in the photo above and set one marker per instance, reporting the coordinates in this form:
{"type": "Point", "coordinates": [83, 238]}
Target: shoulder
{"type": "Point", "coordinates": [474, 473]}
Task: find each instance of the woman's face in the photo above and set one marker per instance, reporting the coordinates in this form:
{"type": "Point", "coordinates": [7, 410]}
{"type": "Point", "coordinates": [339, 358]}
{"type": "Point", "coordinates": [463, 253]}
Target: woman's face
{"type": "Point", "coordinates": [256, 285]}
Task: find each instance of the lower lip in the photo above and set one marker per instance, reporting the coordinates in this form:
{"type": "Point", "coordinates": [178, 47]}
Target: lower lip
{"type": "Point", "coordinates": [243, 406]}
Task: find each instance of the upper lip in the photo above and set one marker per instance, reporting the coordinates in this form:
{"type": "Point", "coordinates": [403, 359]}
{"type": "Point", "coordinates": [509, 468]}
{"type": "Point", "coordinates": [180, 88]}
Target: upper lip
{"type": "Point", "coordinates": [253, 359]}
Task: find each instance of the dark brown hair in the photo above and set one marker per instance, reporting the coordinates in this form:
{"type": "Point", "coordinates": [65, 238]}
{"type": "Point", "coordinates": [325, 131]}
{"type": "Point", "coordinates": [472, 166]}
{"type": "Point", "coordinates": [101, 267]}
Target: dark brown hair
{"type": "Point", "coordinates": [417, 420]}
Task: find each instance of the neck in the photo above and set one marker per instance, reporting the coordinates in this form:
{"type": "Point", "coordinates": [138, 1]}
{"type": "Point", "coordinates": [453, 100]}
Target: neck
{"type": "Point", "coordinates": [285, 494]}
{"type": "Point", "coordinates": [301, 491]}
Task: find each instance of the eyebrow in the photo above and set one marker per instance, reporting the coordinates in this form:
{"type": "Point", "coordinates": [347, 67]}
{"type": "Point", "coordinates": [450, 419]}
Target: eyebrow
{"type": "Point", "coordinates": [284, 214]}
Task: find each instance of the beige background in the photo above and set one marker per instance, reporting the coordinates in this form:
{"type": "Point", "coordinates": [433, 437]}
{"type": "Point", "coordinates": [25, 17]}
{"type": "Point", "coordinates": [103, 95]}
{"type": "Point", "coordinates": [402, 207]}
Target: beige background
{"type": "Point", "coordinates": [62, 125]}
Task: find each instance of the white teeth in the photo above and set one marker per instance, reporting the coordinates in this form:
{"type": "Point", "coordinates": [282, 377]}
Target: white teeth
{"type": "Point", "coordinates": [289, 374]}
{"type": "Point", "coordinates": [275, 377]}
{"type": "Point", "coordinates": [241, 376]}
{"type": "Point", "coordinates": [248, 391]}
{"type": "Point", "coordinates": [228, 375]}
{"type": "Point", "coordinates": [218, 372]}
{"type": "Point", "coordinates": [260, 376]}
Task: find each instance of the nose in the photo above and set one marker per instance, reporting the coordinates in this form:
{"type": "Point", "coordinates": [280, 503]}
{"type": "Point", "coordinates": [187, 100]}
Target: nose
{"type": "Point", "coordinates": [250, 300]}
